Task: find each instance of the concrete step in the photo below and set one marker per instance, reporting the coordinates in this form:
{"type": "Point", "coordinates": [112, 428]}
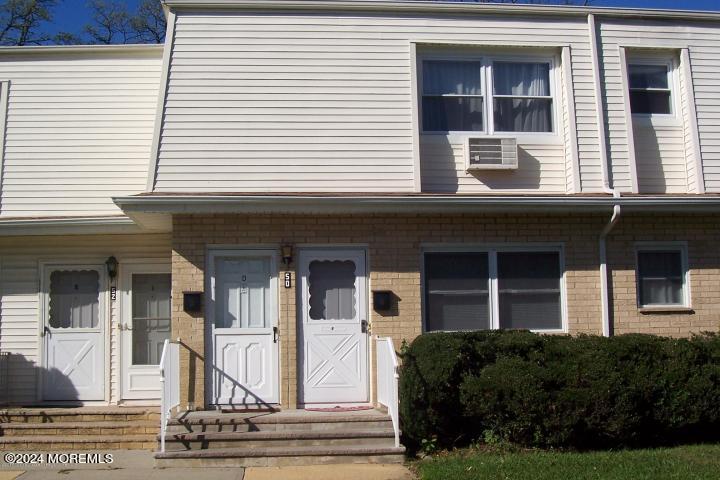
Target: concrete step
{"type": "Point", "coordinates": [77, 442]}
{"type": "Point", "coordinates": [133, 427]}
{"type": "Point", "coordinates": [262, 439]}
{"type": "Point", "coordinates": [78, 414]}
{"type": "Point", "coordinates": [279, 456]}
{"type": "Point", "coordinates": [229, 422]}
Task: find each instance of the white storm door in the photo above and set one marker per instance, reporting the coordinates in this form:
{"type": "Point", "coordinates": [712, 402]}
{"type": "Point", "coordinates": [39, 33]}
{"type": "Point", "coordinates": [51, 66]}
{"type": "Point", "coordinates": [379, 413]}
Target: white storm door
{"type": "Point", "coordinates": [244, 330]}
{"type": "Point", "coordinates": [73, 330]}
{"type": "Point", "coordinates": [333, 327]}
{"type": "Point", "coordinates": [144, 326]}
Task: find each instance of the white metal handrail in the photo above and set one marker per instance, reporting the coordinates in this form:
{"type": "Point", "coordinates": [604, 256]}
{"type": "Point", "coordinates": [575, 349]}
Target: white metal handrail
{"type": "Point", "coordinates": [387, 382]}
{"type": "Point", "coordinates": [169, 385]}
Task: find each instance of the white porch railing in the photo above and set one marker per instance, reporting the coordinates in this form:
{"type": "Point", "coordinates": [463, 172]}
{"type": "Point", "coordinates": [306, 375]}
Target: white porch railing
{"type": "Point", "coordinates": [387, 382]}
{"type": "Point", "coordinates": [169, 385]}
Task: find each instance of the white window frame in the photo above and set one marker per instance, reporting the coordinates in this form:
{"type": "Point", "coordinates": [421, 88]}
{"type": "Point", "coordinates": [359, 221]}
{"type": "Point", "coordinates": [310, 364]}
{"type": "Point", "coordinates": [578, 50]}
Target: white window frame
{"type": "Point", "coordinates": [673, 85]}
{"type": "Point", "coordinates": [494, 296]}
{"type": "Point", "coordinates": [664, 246]}
{"type": "Point", "coordinates": [486, 83]}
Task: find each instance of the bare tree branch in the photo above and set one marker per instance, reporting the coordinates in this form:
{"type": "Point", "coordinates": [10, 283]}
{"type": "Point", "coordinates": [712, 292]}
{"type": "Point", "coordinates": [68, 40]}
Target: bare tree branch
{"type": "Point", "coordinates": [20, 21]}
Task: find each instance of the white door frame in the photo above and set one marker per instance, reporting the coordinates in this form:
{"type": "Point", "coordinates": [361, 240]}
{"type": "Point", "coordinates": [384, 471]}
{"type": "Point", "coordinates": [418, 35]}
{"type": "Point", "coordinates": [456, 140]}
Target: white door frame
{"type": "Point", "coordinates": [127, 269]}
{"type": "Point", "coordinates": [305, 255]}
{"type": "Point", "coordinates": [45, 269]}
{"type": "Point", "coordinates": [209, 308]}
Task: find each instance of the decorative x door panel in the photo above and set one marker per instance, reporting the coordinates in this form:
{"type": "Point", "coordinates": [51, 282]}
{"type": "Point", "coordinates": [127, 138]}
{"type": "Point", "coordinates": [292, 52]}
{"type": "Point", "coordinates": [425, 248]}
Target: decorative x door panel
{"type": "Point", "coordinates": [333, 327]}
{"type": "Point", "coordinates": [244, 321]}
{"type": "Point", "coordinates": [73, 332]}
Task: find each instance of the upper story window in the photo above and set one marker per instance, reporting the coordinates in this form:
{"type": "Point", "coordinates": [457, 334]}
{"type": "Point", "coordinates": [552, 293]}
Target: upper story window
{"type": "Point", "coordinates": [487, 96]}
{"type": "Point", "coordinates": [650, 88]}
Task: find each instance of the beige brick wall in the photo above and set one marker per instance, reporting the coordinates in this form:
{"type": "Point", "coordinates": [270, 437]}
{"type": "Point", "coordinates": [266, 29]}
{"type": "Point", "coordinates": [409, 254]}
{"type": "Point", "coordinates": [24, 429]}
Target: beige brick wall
{"type": "Point", "coordinates": [394, 244]}
{"type": "Point", "coordinates": [701, 233]}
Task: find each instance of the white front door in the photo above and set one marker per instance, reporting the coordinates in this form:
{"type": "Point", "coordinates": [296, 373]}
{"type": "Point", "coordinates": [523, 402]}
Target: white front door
{"type": "Point", "coordinates": [144, 326]}
{"type": "Point", "coordinates": [333, 327]}
{"type": "Point", "coordinates": [73, 330]}
{"type": "Point", "coordinates": [243, 315]}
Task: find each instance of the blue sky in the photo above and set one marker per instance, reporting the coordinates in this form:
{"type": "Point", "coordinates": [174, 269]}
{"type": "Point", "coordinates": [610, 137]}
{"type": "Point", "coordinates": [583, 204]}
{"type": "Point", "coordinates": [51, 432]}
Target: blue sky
{"type": "Point", "coordinates": [71, 15]}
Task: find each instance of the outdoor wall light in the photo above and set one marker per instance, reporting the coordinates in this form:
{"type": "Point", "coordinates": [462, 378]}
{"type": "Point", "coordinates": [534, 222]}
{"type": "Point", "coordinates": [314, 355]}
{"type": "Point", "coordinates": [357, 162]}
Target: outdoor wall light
{"type": "Point", "coordinates": [287, 254]}
{"type": "Point", "coordinates": [112, 267]}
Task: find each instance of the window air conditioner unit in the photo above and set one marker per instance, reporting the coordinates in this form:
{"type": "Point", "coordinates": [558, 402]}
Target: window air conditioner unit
{"type": "Point", "coordinates": [491, 153]}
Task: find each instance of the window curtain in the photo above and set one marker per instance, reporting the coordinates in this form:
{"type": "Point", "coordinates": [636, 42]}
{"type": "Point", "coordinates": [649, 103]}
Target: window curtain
{"type": "Point", "coordinates": [521, 79]}
{"type": "Point", "coordinates": [451, 78]}
{"type": "Point", "coordinates": [522, 114]}
{"type": "Point", "coordinates": [661, 278]}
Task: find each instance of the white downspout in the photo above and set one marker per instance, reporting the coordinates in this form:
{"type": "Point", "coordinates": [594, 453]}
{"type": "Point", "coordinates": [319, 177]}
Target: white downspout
{"type": "Point", "coordinates": [605, 169]}
{"type": "Point", "coordinates": [604, 280]}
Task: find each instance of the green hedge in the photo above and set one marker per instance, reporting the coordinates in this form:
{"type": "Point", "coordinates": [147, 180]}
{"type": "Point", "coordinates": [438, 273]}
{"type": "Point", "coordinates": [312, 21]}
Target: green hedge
{"type": "Point", "coordinates": [560, 391]}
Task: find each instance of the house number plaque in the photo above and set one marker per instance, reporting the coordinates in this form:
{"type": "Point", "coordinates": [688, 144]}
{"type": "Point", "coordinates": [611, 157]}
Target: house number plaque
{"type": "Point", "coordinates": [288, 279]}
{"type": "Point", "coordinates": [113, 293]}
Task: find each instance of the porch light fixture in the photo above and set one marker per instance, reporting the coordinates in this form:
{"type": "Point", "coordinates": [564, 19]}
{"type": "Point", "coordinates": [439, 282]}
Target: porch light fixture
{"type": "Point", "coordinates": [287, 254]}
{"type": "Point", "coordinates": [112, 267]}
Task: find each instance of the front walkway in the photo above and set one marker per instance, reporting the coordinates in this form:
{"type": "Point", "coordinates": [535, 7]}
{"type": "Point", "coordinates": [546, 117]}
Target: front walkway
{"type": "Point", "coordinates": [134, 464]}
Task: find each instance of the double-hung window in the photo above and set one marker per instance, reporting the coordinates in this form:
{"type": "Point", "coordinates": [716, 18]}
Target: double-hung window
{"type": "Point", "coordinates": [662, 276]}
{"type": "Point", "coordinates": [650, 88]}
{"type": "Point", "coordinates": [507, 289]}
{"type": "Point", "coordinates": [487, 95]}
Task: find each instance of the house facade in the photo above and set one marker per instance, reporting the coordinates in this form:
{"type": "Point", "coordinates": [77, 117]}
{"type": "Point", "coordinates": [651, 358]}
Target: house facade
{"type": "Point", "coordinates": [282, 182]}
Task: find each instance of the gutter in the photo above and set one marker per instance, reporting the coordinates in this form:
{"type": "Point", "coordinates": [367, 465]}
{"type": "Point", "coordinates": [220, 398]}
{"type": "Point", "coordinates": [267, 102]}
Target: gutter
{"type": "Point", "coordinates": [45, 49]}
{"type": "Point", "coordinates": [67, 226]}
{"type": "Point", "coordinates": [418, 203]}
{"type": "Point", "coordinates": [607, 329]}
{"type": "Point", "coordinates": [457, 7]}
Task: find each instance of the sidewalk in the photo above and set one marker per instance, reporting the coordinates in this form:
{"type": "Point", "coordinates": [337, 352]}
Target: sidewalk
{"type": "Point", "coordinates": [139, 465]}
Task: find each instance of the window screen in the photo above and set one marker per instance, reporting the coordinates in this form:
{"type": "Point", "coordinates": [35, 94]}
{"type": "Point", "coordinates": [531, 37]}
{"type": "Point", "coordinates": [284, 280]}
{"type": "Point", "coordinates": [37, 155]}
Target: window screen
{"type": "Point", "coordinates": [521, 97]}
{"type": "Point", "coordinates": [661, 277]}
{"type": "Point", "coordinates": [649, 89]}
{"type": "Point", "coordinates": [452, 96]}
{"type": "Point", "coordinates": [529, 290]}
{"type": "Point", "coordinates": [457, 293]}
{"type": "Point", "coordinates": [74, 299]}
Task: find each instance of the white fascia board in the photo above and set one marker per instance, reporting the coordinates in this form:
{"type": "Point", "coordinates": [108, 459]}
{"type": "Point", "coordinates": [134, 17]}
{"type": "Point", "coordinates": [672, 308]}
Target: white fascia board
{"type": "Point", "coordinates": [414, 6]}
{"type": "Point", "coordinates": [83, 49]}
{"type": "Point", "coordinates": [68, 226]}
{"type": "Point", "coordinates": [205, 204]}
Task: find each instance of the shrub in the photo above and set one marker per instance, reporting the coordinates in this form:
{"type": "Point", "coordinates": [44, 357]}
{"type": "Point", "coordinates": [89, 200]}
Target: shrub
{"type": "Point", "coordinates": [560, 391]}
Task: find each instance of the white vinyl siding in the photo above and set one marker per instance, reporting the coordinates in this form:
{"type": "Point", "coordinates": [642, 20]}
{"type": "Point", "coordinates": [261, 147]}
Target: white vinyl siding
{"type": "Point", "coordinates": [20, 259]}
{"type": "Point", "coordinates": [702, 39]}
{"type": "Point", "coordinates": [303, 102]}
{"type": "Point", "coordinates": [78, 131]}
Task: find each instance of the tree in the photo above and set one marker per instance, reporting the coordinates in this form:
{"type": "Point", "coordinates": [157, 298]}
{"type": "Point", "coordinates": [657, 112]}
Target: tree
{"type": "Point", "coordinates": [149, 22]}
{"type": "Point", "coordinates": [21, 21]}
{"type": "Point", "coordinates": [113, 23]}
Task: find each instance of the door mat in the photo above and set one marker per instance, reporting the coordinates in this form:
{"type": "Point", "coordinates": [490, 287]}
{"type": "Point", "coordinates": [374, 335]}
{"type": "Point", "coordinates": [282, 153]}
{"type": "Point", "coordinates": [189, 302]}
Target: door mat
{"type": "Point", "coordinates": [339, 409]}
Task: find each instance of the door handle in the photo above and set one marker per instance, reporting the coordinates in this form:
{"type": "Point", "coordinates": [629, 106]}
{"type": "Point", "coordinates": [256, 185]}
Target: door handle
{"type": "Point", "coordinates": [46, 331]}
{"type": "Point", "coordinates": [364, 326]}
{"type": "Point", "coordinates": [276, 334]}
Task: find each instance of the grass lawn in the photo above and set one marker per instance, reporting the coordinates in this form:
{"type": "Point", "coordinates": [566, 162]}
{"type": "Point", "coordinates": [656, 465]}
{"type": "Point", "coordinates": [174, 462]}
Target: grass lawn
{"type": "Point", "coordinates": [686, 463]}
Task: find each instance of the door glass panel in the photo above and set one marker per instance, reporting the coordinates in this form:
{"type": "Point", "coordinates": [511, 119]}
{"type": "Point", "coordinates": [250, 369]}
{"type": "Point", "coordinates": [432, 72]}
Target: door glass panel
{"type": "Point", "coordinates": [242, 291]}
{"type": "Point", "coordinates": [74, 299]}
{"type": "Point", "coordinates": [331, 290]}
{"type": "Point", "coordinates": [150, 316]}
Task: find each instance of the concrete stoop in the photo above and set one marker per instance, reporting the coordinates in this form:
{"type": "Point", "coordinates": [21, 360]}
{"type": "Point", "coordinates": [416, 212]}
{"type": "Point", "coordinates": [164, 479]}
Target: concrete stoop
{"type": "Point", "coordinates": [207, 439]}
{"type": "Point", "coordinates": [78, 428]}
